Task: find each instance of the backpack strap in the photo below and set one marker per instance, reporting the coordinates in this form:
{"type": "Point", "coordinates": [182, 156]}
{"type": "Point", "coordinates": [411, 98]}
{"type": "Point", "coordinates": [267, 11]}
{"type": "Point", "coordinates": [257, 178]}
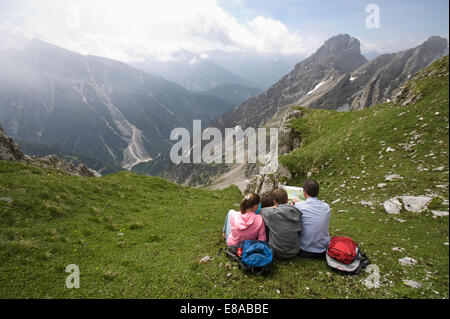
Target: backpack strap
{"type": "Point", "coordinates": [365, 261]}
{"type": "Point", "coordinates": [232, 255]}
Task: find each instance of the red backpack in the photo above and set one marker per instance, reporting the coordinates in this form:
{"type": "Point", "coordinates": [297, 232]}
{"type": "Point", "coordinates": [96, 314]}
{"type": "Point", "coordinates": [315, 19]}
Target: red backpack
{"type": "Point", "coordinates": [343, 254]}
{"type": "Point", "coordinates": [342, 249]}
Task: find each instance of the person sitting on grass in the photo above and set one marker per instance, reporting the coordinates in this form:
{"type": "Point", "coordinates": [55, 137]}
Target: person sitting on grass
{"type": "Point", "coordinates": [246, 224]}
{"type": "Point", "coordinates": [267, 201]}
{"type": "Point", "coordinates": [284, 224]}
{"type": "Point", "coordinates": [314, 237]}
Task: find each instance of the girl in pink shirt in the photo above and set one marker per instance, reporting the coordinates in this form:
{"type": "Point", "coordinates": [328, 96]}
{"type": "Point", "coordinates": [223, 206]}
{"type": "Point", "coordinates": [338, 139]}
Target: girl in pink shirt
{"type": "Point", "coordinates": [245, 225]}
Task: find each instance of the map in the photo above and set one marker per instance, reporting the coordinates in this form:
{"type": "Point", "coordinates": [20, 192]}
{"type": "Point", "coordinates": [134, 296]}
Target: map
{"type": "Point", "coordinates": [293, 192]}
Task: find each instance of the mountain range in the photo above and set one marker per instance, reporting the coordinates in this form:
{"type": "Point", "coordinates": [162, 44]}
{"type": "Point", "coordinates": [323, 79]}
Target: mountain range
{"type": "Point", "coordinates": [264, 69]}
{"type": "Point", "coordinates": [336, 77]}
{"type": "Point", "coordinates": [204, 71]}
{"type": "Point", "coordinates": [233, 93]}
{"type": "Point", "coordinates": [191, 71]}
{"type": "Point", "coordinates": [96, 108]}
{"type": "Point", "coordinates": [93, 106]}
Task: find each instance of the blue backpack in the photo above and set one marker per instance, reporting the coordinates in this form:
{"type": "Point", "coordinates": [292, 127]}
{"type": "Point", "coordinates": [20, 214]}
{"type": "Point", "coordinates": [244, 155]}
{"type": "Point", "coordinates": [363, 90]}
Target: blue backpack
{"type": "Point", "coordinates": [256, 256]}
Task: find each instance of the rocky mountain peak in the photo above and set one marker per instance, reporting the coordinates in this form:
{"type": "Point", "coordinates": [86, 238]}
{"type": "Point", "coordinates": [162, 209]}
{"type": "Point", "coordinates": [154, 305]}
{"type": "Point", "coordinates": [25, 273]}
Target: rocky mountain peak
{"type": "Point", "coordinates": [343, 51]}
{"type": "Point", "coordinates": [340, 42]}
{"type": "Point", "coordinates": [435, 42]}
{"type": "Point", "coordinates": [339, 55]}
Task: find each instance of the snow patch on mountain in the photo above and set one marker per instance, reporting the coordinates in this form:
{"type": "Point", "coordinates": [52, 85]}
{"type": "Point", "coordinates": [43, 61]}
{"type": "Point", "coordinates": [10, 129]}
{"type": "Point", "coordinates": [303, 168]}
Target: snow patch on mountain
{"type": "Point", "coordinates": [316, 87]}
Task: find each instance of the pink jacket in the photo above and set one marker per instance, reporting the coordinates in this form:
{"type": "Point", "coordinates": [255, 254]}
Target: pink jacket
{"type": "Point", "coordinates": [249, 226]}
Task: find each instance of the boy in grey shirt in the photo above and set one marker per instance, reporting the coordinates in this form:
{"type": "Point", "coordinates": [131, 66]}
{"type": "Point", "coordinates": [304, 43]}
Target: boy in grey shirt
{"type": "Point", "coordinates": [284, 224]}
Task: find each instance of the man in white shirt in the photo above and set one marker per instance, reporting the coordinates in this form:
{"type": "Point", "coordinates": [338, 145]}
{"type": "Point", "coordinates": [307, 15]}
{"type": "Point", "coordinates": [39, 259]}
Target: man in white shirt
{"type": "Point", "coordinates": [314, 237]}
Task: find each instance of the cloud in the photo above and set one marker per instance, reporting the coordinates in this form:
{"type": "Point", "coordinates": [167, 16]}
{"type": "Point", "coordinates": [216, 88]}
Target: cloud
{"type": "Point", "coordinates": [13, 37]}
{"type": "Point", "coordinates": [273, 36]}
{"type": "Point", "coordinates": [389, 46]}
{"type": "Point", "coordinates": [133, 29]}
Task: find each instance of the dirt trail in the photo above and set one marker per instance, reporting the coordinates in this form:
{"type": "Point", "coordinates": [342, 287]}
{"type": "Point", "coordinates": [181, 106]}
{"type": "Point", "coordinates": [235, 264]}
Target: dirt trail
{"type": "Point", "coordinates": [235, 176]}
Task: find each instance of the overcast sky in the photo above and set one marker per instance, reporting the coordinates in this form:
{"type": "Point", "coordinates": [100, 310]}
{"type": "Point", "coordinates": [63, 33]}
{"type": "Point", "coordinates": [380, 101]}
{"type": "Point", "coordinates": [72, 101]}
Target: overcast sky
{"type": "Point", "coordinates": [130, 29]}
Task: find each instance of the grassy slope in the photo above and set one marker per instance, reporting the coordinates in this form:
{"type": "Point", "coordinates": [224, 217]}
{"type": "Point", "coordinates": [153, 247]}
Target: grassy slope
{"type": "Point", "coordinates": [56, 220]}
{"type": "Point", "coordinates": [350, 160]}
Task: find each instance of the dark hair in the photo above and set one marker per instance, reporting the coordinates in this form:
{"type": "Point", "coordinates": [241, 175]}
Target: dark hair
{"type": "Point", "coordinates": [248, 201]}
{"type": "Point", "coordinates": [311, 188]}
{"type": "Point", "coordinates": [266, 200]}
{"type": "Point", "coordinates": [280, 196]}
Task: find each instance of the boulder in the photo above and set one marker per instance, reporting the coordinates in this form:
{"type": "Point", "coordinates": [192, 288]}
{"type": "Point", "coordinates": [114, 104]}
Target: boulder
{"type": "Point", "coordinates": [438, 213]}
{"type": "Point", "coordinates": [408, 261]}
{"type": "Point", "coordinates": [392, 177]}
{"type": "Point", "coordinates": [415, 204]}
{"type": "Point", "coordinates": [392, 206]}
{"type": "Point", "coordinates": [366, 203]}
{"type": "Point", "coordinates": [335, 201]}
{"type": "Point", "coordinates": [205, 259]}
{"type": "Point", "coordinates": [412, 283]}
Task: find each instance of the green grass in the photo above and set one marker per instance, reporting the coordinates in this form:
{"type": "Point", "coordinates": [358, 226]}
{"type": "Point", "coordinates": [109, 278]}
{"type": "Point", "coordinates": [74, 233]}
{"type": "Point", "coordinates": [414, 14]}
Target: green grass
{"type": "Point", "coordinates": [56, 220]}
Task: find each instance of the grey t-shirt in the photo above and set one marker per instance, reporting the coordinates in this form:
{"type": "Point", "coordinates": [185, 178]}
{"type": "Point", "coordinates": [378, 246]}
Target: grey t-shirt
{"type": "Point", "coordinates": [284, 223]}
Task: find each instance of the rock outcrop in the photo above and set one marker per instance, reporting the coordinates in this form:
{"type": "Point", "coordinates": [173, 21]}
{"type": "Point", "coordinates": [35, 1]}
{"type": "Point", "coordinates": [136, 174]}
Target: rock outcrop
{"type": "Point", "coordinates": [288, 140]}
{"type": "Point", "coordinates": [52, 161]}
{"type": "Point", "coordinates": [10, 151]}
